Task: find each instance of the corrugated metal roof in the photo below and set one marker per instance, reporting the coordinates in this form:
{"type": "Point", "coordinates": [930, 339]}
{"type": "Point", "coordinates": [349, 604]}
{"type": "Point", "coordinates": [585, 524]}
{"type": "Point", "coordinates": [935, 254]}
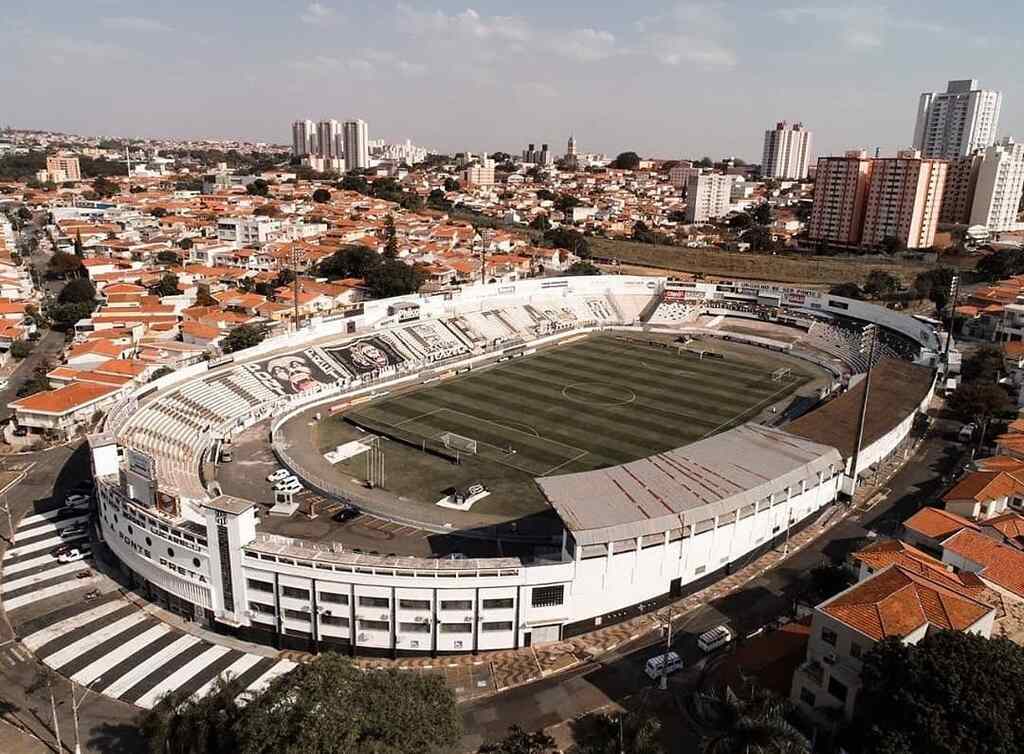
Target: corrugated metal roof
{"type": "Point", "coordinates": [708, 478]}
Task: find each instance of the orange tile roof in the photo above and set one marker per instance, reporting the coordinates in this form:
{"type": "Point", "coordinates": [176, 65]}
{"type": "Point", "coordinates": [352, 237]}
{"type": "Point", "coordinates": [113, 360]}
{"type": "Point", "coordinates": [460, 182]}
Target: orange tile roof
{"type": "Point", "coordinates": [887, 552]}
{"type": "Point", "coordinates": [1001, 565]}
{"type": "Point", "coordinates": [936, 523]}
{"type": "Point", "coordinates": [1000, 463]}
{"type": "Point", "coordinates": [983, 486]}
{"type": "Point", "coordinates": [897, 602]}
{"type": "Point", "coordinates": [64, 399]}
{"type": "Point", "coordinates": [1010, 525]}
{"type": "Point", "coordinates": [100, 347]}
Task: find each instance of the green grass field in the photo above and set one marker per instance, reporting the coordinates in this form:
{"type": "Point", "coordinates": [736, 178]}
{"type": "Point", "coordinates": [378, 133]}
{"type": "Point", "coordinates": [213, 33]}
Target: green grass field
{"type": "Point", "coordinates": [593, 403]}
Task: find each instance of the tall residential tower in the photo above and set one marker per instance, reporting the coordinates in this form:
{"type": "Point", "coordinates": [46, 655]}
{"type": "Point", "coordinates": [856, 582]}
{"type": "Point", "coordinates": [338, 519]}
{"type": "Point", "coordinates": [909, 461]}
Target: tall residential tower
{"type": "Point", "coordinates": [357, 145]}
{"type": "Point", "coordinates": [956, 122]}
{"type": "Point", "coordinates": [303, 138]}
{"type": "Point", "coordinates": [787, 152]}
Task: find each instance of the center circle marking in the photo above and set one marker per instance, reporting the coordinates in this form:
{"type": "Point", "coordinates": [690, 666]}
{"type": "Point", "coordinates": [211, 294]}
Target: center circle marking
{"type": "Point", "coordinates": [598, 394]}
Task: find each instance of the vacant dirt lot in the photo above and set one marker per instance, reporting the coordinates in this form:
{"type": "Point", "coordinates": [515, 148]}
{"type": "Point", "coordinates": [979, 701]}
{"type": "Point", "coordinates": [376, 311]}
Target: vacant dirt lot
{"type": "Point", "coordinates": [810, 270]}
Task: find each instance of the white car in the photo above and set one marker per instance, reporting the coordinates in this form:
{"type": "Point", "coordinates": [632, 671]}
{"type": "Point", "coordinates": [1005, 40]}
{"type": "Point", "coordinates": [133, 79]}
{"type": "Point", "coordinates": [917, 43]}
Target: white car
{"type": "Point", "coordinates": [279, 475]}
{"type": "Point", "coordinates": [73, 532]}
{"type": "Point", "coordinates": [74, 501]}
{"type": "Point", "coordinates": [290, 486]}
{"type": "Point", "coordinates": [74, 554]}
{"type": "Point", "coordinates": [288, 481]}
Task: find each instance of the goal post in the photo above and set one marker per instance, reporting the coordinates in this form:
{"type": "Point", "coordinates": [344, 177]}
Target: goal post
{"type": "Point", "coordinates": [780, 374]}
{"type": "Point", "coordinates": [459, 442]}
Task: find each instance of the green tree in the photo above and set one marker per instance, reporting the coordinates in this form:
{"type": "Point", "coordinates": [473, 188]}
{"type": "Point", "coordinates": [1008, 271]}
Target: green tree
{"type": "Point", "coordinates": [20, 349]}
{"type": "Point", "coordinates": [450, 184]}
{"type": "Point", "coordinates": [762, 214]}
{"type": "Point", "coordinates": [168, 256]}
{"type": "Point", "coordinates": [354, 182]}
{"type": "Point", "coordinates": [268, 210]}
{"type": "Point", "coordinates": [183, 724]}
{"type": "Point", "coordinates": [934, 285]}
{"type": "Point", "coordinates": [104, 188]}
{"type": "Point", "coordinates": [321, 196]}
{"type": "Point", "coordinates": [259, 187]}
{"type": "Point", "coordinates": [828, 580]}
{"type": "Point", "coordinates": [168, 285]}
{"type": "Point", "coordinates": [157, 212]}
{"type": "Point", "coordinates": [583, 267]}
{"type": "Point", "coordinates": [186, 244]}
{"type": "Point", "coordinates": [893, 245]}
{"type": "Point", "coordinates": [626, 161]}
{"type": "Point", "coordinates": [390, 238]}
{"type": "Point", "coordinates": [705, 162]}
{"type": "Point", "coordinates": [330, 706]}
{"type": "Point", "coordinates": [79, 250]}
{"type": "Point", "coordinates": [161, 372]}
{"type": "Point", "coordinates": [77, 291]}
{"type": "Point", "coordinates": [568, 239]}
{"type": "Point", "coordinates": [394, 278]}
{"type": "Point", "coordinates": [984, 365]}
{"type": "Point", "coordinates": [754, 724]}
{"type": "Point", "coordinates": [541, 223]}
{"type": "Point", "coordinates": [979, 402]}
{"type": "Point", "coordinates": [760, 238]}
{"type": "Point", "coordinates": [740, 221]}
{"type": "Point", "coordinates": [242, 337]}
{"type": "Point", "coordinates": [62, 263]}
{"type": "Point", "coordinates": [1000, 265]}
{"type": "Point", "coordinates": [565, 203]}
{"type": "Point", "coordinates": [350, 262]}
{"type": "Point", "coordinates": [438, 200]}
{"type": "Point", "coordinates": [518, 741]}
{"type": "Point", "coordinates": [952, 693]}
{"type": "Point", "coordinates": [881, 283]}
{"type": "Point", "coordinates": [638, 730]}
{"type": "Point", "coordinates": [846, 290]}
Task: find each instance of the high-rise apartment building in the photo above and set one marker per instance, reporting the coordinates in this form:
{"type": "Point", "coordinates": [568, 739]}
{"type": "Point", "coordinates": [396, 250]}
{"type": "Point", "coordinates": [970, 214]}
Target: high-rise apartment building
{"type": "Point", "coordinates": [840, 193]}
{"type": "Point", "coordinates": [904, 199]}
{"type": "Point", "coordinates": [708, 196]}
{"type": "Point", "coordinates": [357, 145]}
{"type": "Point", "coordinates": [961, 181]}
{"type": "Point", "coordinates": [303, 138]}
{"type": "Point", "coordinates": [956, 122]}
{"type": "Point", "coordinates": [787, 152]}
{"type": "Point", "coordinates": [679, 174]}
{"type": "Point", "coordinates": [999, 187]}
{"type": "Point", "coordinates": [328, 134]}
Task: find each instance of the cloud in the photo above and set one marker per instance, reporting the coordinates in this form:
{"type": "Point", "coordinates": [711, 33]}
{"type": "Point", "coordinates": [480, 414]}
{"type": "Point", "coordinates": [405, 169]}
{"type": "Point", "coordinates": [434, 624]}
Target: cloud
{"type": "Point", "coordinates": [690, 33]}
{"type": "Point", "coordinates": [858, 29]}
{"type": "Point", "coordinates": [585, 45]}
{"type": "Point", "coordinates": [316, 14]}
{"type": "Point", "coordinates": [134, 23]}
{"type": "Point", "coordinates": [364, 64]}
{"type": "Point", "coordinates": [469, 24]}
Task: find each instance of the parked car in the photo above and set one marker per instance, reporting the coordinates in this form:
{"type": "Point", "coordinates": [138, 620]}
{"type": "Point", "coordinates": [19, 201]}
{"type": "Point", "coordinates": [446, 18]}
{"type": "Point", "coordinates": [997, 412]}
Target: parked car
{"type": "Point", "coordinates": [20, 431]}
{"type": "Point", "coordinates": [347, 513]}
{"type": "Point", "coordinates": [663, 664]}
{"type": "Point", "coordinates": [714, 638]}
{"type": "Point", "coordinates": [76, 531]}
{"type": "Point", "coordinates": [278, 475]}
{"type": "Point", "coordinates": [76, 500]}
{"type": "Point", "coordinates": [75, 554]}
{"type": "Point", "coordinates": [288, 481]}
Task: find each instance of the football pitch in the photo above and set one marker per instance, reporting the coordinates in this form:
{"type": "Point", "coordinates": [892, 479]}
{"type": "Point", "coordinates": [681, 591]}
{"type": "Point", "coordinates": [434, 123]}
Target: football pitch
{"type": "Point", "coordinates": [585, 405]}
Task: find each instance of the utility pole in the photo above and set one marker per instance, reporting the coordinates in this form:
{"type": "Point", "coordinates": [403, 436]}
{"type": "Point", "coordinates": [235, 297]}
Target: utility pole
{"type": "Point", "coordinates": [954, 294]}
{"type": "Point", "coordinates": [6, 508]}
{"type": "Point", "coordinates": [867, 343]}
{"type": "Point", "coordinates": [663, 681]}
{"type": "Point", "coordinates": [76, 702]}
{"type": "Point", "coordinates": [295, 286]}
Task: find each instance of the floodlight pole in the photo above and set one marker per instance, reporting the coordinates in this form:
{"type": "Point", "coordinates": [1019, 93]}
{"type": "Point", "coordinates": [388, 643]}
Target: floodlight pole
{"type": "Point", "coordinates": [872, 333]}
{"type": "Point", "coordinates": [955, 289]}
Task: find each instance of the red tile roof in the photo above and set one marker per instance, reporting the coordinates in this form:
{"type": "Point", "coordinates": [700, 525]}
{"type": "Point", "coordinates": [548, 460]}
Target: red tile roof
{"type": "Point", "coordinates": [1000, 565]}
{"type": "Point", "coordinates": [64, 399]}
{"type": "Point", "coordinates": [938, 524]}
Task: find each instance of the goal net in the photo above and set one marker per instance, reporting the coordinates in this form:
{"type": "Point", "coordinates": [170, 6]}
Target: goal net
{"type": "Point", "coordinates": [780, 374]}
{"type": "Point", "coordinates": [458, 442]}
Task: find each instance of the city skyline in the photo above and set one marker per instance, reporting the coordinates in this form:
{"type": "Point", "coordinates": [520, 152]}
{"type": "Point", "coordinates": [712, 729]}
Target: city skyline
{"type": "Point", "coordinates": [458, 77]}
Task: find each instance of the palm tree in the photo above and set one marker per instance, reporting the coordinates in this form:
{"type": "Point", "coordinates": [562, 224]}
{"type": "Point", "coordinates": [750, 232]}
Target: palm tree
{"type": "Point", "coordinates": [639, 732]}
{"type": "Point", "coordinates": [756, 724]}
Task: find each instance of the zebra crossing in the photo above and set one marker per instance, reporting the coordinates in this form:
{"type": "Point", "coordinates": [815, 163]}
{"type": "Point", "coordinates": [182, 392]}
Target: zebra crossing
{"type": "Point", "coordinates": [105, 642]}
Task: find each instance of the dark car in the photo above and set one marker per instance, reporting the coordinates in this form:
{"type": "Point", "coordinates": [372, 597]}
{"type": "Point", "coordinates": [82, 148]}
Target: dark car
{"type": "Point", "coordinates": [347, 513]}
{"type": "Point", "coordinates": [20, 431]}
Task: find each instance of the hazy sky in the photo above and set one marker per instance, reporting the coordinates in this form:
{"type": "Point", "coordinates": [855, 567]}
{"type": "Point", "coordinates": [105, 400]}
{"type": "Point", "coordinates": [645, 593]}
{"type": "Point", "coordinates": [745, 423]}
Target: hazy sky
{"type": "Point", "coordinates": [663, 79]}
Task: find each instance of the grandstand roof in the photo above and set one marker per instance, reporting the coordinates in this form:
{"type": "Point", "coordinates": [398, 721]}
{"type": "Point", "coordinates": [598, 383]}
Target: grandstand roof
{"type": "Point", "coordinates": [711, 477]}
{"type": "Point", "coordinates": [897, 389]}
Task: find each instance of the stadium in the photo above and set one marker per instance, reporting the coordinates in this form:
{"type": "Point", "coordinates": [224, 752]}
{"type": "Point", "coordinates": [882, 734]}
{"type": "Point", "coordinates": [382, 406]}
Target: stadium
{"type": "Point", "coordinates": [502, 465]}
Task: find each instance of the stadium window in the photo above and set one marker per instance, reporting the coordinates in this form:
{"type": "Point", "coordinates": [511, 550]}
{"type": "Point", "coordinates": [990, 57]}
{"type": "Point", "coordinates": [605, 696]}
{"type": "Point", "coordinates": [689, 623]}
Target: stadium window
{"type": "Point", "coordinates": [296, 615]}
{"type": "Point", "coordinates": [374, 625]}
{"type": "Point", "coordinates": [548, 596]}
{"type": "Point", "coordinates": [259, 586]}
{"type": "Point", "coordinates": [699, 570]}
{"type": "Point", "coordinates": [503, 625]}
{"type": "Point", "coordinates": [414, 604]}
{"type": "Point", "coordinates": [456, 604]}
{"type": "Point", "coordinates": [333, 620]}
{"type": "Point", "coordinates": [456, 628]}
{"type": "Point", "coordinates": [374, 602]}
{"type": "Point", "coordinates": [295, 592]}
{"type": "Point", "coordinates": [335, 599]}
{"type": "Point", "coordinates": [414, 628]}
{"type": "Point", "coordinates": [259, 607]}
{"type": "Point", "coordinates": [504, 603]}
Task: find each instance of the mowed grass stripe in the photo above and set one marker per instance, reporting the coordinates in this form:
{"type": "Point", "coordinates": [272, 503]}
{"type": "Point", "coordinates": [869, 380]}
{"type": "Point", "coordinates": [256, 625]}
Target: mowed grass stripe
{"type": "Point", "coordinates": [670, 356]}
{"type": "Point", "coordinates": [690, 396]}
{"type": "Point", "coordinates": [568, 426]}
{"type": "Point", "coordinates": [643, 425]}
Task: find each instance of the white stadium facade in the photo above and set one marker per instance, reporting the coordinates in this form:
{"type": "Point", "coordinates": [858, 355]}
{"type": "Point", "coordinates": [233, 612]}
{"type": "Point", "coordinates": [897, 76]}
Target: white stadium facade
{"type": "Point", "coordinates": [632, 536]}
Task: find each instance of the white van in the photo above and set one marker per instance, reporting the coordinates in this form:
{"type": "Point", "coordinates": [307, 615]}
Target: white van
{"type": "Point", "coordinates": [667, 663]}
{"type": "Point", "coordinates": [714, 638]}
